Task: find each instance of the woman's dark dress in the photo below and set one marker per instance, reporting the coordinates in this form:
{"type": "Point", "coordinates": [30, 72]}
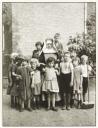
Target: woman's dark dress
{"type": "Point", "coordinates": [40, 57]}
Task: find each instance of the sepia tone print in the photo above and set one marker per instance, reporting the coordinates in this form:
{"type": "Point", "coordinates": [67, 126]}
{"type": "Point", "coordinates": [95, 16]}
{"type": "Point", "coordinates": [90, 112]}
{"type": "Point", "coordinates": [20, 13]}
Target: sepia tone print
{"type": "Point", "coordinates": [49, 64]}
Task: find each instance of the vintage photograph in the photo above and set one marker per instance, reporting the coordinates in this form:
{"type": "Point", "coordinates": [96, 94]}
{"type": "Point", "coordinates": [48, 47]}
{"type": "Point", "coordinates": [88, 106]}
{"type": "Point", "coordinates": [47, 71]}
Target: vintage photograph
{"type": "Point", "coordinates": [49, 64]}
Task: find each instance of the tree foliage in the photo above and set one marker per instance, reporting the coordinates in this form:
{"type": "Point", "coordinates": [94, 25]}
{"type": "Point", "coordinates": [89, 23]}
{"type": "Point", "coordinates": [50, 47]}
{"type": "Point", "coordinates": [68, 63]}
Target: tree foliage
{"type": "Point", "coordinates": [85, 43]}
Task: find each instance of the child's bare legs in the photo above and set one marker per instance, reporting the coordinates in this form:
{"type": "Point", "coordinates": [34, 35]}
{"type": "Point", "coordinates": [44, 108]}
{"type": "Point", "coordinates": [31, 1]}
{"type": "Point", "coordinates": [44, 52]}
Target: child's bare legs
{"type": "Point", "coordinates": [38, 101]}
{"type": "Point", "coordinates": [51, 95]}
{"type": "Point", "coordinates": [79, 99]}
{"type": "Point", "coordinates": [34, 102]}
{"type": "Point", "coordinates": [29, 103]}
{"type": "Point", "coordinates": [49, 100]}
{"type": "Point", "coordinates": [53, 102]}
{"type": "Point", "coordinates": [67, 101]}
{"type": "Point", "coordinates": [21, 105]}
{"type": "Point", "coordinates": [73, 98]}
{"type": "Point", "coordinates": [78, 96]}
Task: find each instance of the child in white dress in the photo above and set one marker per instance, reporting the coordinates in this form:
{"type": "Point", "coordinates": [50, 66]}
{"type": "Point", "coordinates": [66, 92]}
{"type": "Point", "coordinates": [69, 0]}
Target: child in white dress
{"type": "Point", "coordinates": [77, 81]}
{"type": "Point", "coordinates": [50, 85]}
{"type": "Point", "coordinates": [36, 83]}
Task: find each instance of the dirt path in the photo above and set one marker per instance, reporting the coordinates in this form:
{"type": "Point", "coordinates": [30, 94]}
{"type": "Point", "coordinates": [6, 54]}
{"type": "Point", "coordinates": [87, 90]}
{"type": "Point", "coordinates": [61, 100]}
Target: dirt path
{"type": "Point", "coordinates": [74, 117]}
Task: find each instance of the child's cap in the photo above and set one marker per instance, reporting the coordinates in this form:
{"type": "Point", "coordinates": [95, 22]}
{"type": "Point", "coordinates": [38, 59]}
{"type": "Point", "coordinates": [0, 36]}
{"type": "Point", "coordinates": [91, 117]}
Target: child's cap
{"type": "Point", "coordinates": [84, 57]}
{"type": "Point", "coordinates": [34, 60]}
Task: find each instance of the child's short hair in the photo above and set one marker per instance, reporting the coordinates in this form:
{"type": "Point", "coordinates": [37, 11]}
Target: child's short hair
{"type": "Point", "coordinates": [34, 60]}
{"type": "Point", "coordinates": [39, 43]}
{"type": "Point", "coordinates": [84, 57]}
{"type": "Point", "coordinates": [76, 59]}
{"type": "Point", "coordinates": [50, 59]}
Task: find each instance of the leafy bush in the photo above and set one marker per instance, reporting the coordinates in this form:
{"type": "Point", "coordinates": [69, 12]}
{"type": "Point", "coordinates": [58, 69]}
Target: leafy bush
{"type": "Point", "coordinates": [85, 43]}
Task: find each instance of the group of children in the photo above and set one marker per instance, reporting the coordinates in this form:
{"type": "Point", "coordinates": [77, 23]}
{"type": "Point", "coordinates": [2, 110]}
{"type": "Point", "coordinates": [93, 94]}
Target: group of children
{"type": "Point", "coordinates": [28, 83]}
{"type": "Point", "coordinates": [38, 79]}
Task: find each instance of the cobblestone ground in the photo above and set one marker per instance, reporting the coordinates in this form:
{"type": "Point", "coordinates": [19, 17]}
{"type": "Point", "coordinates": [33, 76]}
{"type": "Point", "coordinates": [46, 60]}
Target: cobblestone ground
{"type": "Point", "coordinates": [74, 117]}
